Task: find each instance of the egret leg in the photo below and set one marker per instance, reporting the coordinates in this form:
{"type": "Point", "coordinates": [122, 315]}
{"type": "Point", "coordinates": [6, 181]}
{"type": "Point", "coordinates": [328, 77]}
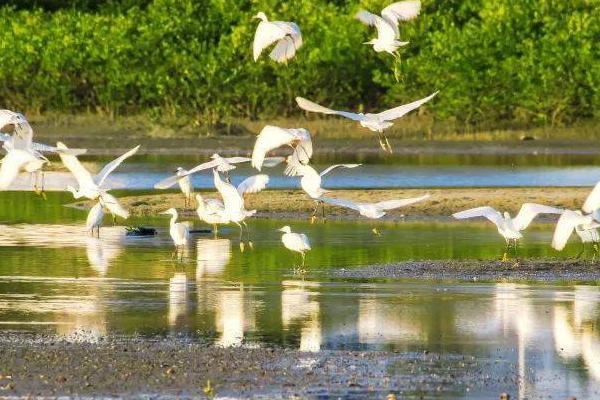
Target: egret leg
{"type": "Point", "coordinates": [323, 210]}
{"type": "Point", "coordinates": [248, 235]}
{"type": "Point", "coordinates": [241, 236]}
{"type": "Point", "coordinates": [114, 220]}
{"type": "Point", "coordinates": [98, 232]}
{"type": "Point", "coordinates": [596, 251]}
{"type": "Point", "coordinates": [313, 217]}
{"type": "Point", "coordinates": [303, 259]}
{"type": "Point", "coordinates": [227, 177]}
{"type": "Point", "coordinates": [388, 145]}
{"type": "Point", "coordinates": [215, 231]}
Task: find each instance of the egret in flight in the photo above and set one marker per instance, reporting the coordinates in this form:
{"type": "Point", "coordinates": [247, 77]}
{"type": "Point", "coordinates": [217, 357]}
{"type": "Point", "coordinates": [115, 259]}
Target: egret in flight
{"type": "Point", "coordinates": [234, 208]}
{"type": "Point", "coordinates": [286, 36]}
{"type": "Point", "coordinates": [22, 153]}
{"type": "Point", "coordinates": [93, 187]}
{"type": "Point", "coordinates": [510, 228]}
{"type": "Point", "coordinates": [272, 137]}
{"type": "Point", "coordinates": [94, 218]}
{"type": "Point", "coordinates": [374, 210]}
{"type": "Point", "coordinates": [375, 122]}
{"type": "Point", "coordinates": [387, 24]}
{"type": "Point", "coordinates": [311, 180]}
{"type": "Point", "coordinates": [297, 242]}
{"type": "Point", "coordinates": [584, 225]}
{"type": "Point", "coordinates": [179, 231]}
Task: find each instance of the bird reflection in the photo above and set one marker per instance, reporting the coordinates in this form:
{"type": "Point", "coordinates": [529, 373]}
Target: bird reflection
{"type": "Point", "coordinates": [178, 304]}
{"type": "Point", "coordinates": [213, 255]}
{"type": "Point", "coordinates": [101, 252]}
{"type": "Point", "coordinates": [298, 303]}
{"type": "Point", "coordinates": [383, 322]}
{"type": "Point", "coordinates": [233, 317]}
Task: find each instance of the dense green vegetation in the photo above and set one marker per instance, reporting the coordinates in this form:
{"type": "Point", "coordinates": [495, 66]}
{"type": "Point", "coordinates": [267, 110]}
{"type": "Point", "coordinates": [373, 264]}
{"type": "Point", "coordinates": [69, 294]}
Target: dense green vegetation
{"type": "Point", "coordinates": [497, 62]}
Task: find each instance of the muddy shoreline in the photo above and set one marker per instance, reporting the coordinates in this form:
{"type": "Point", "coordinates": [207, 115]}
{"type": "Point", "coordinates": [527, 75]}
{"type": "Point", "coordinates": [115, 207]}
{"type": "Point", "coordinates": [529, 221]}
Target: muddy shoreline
{"type": "Point", "coordinates": [174, 367]}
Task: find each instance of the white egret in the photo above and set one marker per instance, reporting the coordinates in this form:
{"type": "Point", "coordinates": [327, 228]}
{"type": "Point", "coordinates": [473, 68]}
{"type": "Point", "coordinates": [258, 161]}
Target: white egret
{"type": "Point", "coordinates": [374, 210]}
{"type": "Point", "coordinates": [311, 179]}
{"type": "Point", "coordinates": [93, 187]}
{"type": "Point", "coordinates": [375, 122]}
{"type": "Point", "coordinates": [22, 152]}
{"type": "Point", "coordinates": [211, 211]}
{"type": "Point", "coordinates": [286, 35]}
{"type": "Point", "coordinates": [510, 228]}
{"type": "Point", "coordinates": [185, 184]}
{"type": "Point", "coordinates": [221, 164]}
{"type": "Point", "coordinates": [272, 137]}
{"type": "Point", "coordinates": [387, 24]}
{"type": "Point", "coordinates": [94, 218]}
{"type": "Point", "coordinates": [584, 225]}
{"type": "Point", "coordinates": [233, 200]}
{"type": "Point", "coordinates": [297, 242]}
{"type": "Point", "coordinates": [179, 231]}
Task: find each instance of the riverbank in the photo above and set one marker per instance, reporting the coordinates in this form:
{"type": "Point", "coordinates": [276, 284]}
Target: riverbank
{"type": "Point", "coordinates": [441, 204]}
{"type": "Point", "coordinates": [39, 365]}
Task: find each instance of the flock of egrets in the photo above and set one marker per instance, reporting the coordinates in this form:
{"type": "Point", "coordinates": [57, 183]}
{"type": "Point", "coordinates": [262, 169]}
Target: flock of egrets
{"type": "Point", "coordinates": [25, 155]}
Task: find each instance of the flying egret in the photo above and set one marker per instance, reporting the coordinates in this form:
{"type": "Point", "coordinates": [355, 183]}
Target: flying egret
{"type": "Point", "coordinates": [286, 35]}
{"type": "Point", "coordinates": [584, 225]}
{"type": "Point", "coordinates": [94, 218]}
{"type": "Point", "coordinates": [179, 231]}
{"type": "Point", "coordinates": [510, 228]}
{"type": "Point", "coordinates": [233, 200]}
{"type": "Point", "coordinates": [387, 24]}
{"type": "Point", "coordinates": [185, 184]}
{"type": "Point", "coordinates": [272, 137]}
{"type": "Point", "coordinates": [592, 202]}
{"type": "Point", "coordinates": [22, 152]}
{"type": "Point", "coordinates": [311, 180]}
{"type": "Point", "coordinates": [375, 122]}
{"type": "Point", "coordinates": [221, 164]}
{"type": "Point", "coordinates": [374, 210]}
{"type": "Point", "coordinates": [93, 187]}
{"type": "Point", "coordinates": [297, 242]}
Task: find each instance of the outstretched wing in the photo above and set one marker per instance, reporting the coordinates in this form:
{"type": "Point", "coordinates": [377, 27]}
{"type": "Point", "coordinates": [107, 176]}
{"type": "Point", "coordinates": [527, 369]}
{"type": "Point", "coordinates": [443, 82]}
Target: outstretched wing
{"type": "Point", "coordinates": [111, 166]}
{"type": "Point", "coordinates": [564, 228]}
{"type": "Point", "coordinates": [328, 170]}
{"type": "Point", "coordinates": [392, 204]}
{"type": "Point", "coordinates": [308, 105]}
{"type": "Point", "coordinates": [592, 203]}
{"type": "Point", "coordinates": [253, 184]}
{"type": "Point", "coordinates": [286, 47]}
{"type": "Point", "coordinates": [266, 34]}
{"type": "Point", "coordinates": [400, 111]}
{"type": "Point", "coordinates": [401, 11]}
{"type": "Point", "coordinates": [10, 167]}
{"type": "Point", "coordinates": [531, 210]}
{"type": "Point", "coordinates": [82, 175]}
{"type": "Point", "coordinates": [270, 138]}
{"type": "Point", "coordinates": [341, 203]}
{"type": "Point", "coordinates": [486, 212]}
{"type": "Point", "coordinates": [114, 206]}
{"type": "Point", "coordinates": [366, 17]}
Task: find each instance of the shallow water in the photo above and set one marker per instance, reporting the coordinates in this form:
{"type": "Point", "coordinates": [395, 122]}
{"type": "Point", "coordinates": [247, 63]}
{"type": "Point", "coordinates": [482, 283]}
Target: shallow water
{"type": "Point", "coordinates": [56, 279]}
{"type": "Point", "coordinates": [376, 172]}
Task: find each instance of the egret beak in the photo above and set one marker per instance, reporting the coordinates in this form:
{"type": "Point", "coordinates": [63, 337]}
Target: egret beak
{"type": "Point", "coordinates": [281, 229]}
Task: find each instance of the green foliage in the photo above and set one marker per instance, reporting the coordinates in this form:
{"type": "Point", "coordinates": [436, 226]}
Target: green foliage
{"type": "Point", "coordinates": [526, 62]}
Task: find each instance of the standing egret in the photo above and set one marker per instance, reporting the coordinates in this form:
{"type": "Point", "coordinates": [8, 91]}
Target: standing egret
{"type": "Point", "coordinates": [584, 225]}
{"type": "Point", "coordinates": [94, 218]}
{"type": "Point", "coordinates": [311, 180]}
{"type": "Point", "coordinates": [221, 164]}
{"type": "Point", "coordinates": [374, 210]}
{"type": "Point", "coordinates": [92, 187]}
{"type": "Point", "coordinates": [387, 24]}
{"type": "Point", "coordinates": [286, 35]}
{"type": "Point", "coordinates": [509, 228]}
{"type": "Point", "coordinates": [375, 122]}
{"type": "Point", "coordinates": [22, 152]}
{"type": "Point", "coordinates": [233, 200]}
{"type": "Point", "coordinates": [272, 137]}
{"type": "Point", "coordinates": [185, 184]}
{"type": "Point", "coordinates": [297, 242]}
{"type": "Point", "coordinates": [179, 231]}
{"type": "Point", "coordinates": [211, 211]}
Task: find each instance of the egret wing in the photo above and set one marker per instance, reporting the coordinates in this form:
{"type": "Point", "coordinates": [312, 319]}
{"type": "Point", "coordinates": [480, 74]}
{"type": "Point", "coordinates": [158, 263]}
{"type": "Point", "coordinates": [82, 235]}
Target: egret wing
{"type": "Point", "coordinates": [401, 11]}
{"type": "Point", "coordinates": [341, 203]}
{"type": "Point", "coordinates": [385, 31]}
{"type": "Point", "coordinates": [397, 112]}
{"type": "Point", "coordinates": [392, 204]}
{"type": "Point", "coordinates": [308, 105]}
{"type": "Point", "coordinates": [266, 34]}
{"type": "Point", "coordinates": [486, 212]}
{"type": "Point", "coordinates": [231, 198]}
{"type": "Point", "coordinates": [271, 162]}
{"type": "Point", "coordinates": [10, 167]}
{"type": "Point", "coordinates": [114, 206]}
{"type": "Point", "coordinates": [237, 160]}
{"type": "Point", "coordinates": [253, 184]}
{"type": "Point", "coordinates": [305, 241]}
{"type": "Point", "coordinates": [564, 228]}
{"type": "Point", "coordinates": [82, 175]}
{"type": "Point", "coordinates": [331, 168]}
{"type": "Point", "coordinates": [366, 17]}
{"type": "Point", "coordinates": [592, 203]}
{"type": "Point", "coordinates": [531, 210]}
{"type": "Point", "coordinates": [167, 182]}
{"type": "Point", "coordinates": [111, 166]}
{"type": "Point", "coordinates": [270, 138]}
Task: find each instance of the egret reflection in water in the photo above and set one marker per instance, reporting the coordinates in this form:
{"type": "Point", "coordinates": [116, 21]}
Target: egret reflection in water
{"type": "Point", "coordinates": [299, 304]}
{"type": "Point", "coordinates": [212, 256]}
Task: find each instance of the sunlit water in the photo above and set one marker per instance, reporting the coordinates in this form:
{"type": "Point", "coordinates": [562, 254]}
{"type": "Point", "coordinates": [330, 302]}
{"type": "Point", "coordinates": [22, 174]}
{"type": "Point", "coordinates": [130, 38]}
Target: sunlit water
{"type": "Point", "coordinates": [56, 279]}
{"type": "Point", "coordinates": [376, 172]}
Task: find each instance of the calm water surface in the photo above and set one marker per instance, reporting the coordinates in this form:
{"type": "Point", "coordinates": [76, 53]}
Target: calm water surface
{"type": "Point", "coordinates": [54, 278]}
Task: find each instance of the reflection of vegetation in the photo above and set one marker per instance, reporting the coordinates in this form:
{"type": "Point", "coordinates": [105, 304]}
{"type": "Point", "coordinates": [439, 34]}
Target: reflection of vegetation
{"type": "Point", "coordinates": [509, 63]}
